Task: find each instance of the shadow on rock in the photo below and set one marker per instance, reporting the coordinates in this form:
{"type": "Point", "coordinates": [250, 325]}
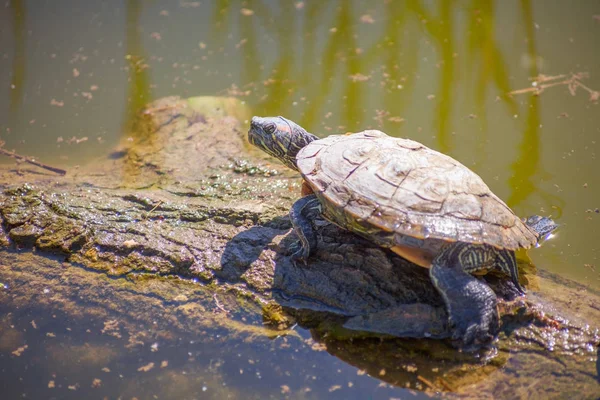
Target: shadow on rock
{"type": "Point", "coordinates": [244, 253]}
{"type": "Point", "coordinates": [350, 285]}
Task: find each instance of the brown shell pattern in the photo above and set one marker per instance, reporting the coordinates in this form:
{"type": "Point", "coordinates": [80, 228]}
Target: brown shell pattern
{"type": "Point", "coordinates": [400, 186]}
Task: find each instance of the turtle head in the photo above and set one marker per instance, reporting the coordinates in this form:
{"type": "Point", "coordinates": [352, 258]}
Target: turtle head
{"type": "Point", "coordinates": [279, 137]}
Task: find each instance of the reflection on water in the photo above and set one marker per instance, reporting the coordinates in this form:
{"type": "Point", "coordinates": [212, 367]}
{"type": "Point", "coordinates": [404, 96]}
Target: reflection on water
{"type": "Point", "coordinates": [439, 73]}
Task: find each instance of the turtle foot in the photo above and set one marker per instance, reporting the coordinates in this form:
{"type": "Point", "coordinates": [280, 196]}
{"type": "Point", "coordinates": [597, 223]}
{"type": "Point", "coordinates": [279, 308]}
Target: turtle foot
{"type": "Point", "coordinates": [474, 317]}
{"type": "Point", "coordinates": [470, 302]}
{"type": "Point", "coordinates": [473, 335]}
{"type": "Point", "coordinates": [302, 215]}
{"type": "Point", "coordinates": [300, 253]}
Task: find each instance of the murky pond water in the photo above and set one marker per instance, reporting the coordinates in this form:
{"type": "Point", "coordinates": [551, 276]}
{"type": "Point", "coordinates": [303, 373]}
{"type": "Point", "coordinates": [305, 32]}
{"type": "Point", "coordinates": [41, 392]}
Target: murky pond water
{"type": "Point", "coordinates": [457, 76]}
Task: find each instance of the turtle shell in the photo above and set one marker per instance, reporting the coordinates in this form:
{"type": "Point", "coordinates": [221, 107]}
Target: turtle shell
{"type": "Point", "coordinates": [380, 186]}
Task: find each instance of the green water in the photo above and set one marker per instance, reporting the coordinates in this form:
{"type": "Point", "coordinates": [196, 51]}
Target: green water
{"type": "Point", "coordinates": [73, 73]}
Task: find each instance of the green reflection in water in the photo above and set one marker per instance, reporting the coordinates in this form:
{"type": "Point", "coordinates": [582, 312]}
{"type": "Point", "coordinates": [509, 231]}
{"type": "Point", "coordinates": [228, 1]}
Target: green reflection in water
{"type": "Point", "coordinates": [315, 17]}
{"type": "Point", "coordinates": [353, 112]}
{"type": "Point", "coordinates": [338, 61]}
{"type": "Point", "coordinates": [488, 67]}
{"type": "Point", "coordinates": [250, 52]}
{"type": "Point", "coordinates": [484, 52]}
{"type": "Point", "coordinates": [281, 88]}
{"type": "Point", "coordinates": [138, 91]}
{"type": "Point", "coordinates": [527, 164]}
{"type": "Point", "coordinates": [398, 48]}
{"type": "Point", "coordinates": [441, 30]}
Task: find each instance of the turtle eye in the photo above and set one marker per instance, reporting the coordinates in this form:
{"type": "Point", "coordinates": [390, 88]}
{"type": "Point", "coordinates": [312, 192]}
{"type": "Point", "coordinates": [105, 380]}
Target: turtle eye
{"type": "Point", "coordinates": [270, 129]}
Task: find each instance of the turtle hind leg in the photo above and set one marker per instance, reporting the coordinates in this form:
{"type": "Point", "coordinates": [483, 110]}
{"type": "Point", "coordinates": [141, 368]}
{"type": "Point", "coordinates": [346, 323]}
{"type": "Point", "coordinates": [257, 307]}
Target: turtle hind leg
{"type": "Point", "coordinates": [471, 304]}
{"type": "Point", "coordinates": [303, 213]}
{"type": "Point", "coordinates": [507, 263]}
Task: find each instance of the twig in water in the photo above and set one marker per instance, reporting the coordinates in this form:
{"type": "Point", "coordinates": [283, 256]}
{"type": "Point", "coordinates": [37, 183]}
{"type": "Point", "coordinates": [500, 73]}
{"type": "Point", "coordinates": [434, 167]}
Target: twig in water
{"type": "Point", "coordinates": [543, 82]}
{"type": "Point", "coordinates": [427, 382]}
{"type": "Point", "coordinates": [33, 162]}
{"type": "Point", "coordinates": [219, 306]}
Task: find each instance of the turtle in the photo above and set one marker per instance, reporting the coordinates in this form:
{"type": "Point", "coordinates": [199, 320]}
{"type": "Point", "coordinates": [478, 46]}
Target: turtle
{"type": "Point", "coordinates": [421, 204]}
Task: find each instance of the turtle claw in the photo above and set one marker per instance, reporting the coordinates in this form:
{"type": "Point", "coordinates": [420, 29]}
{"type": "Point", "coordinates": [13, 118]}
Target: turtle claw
{"type": "Point", "coordinates": [474, 336]}
{"type": "Point", "coordinates": [300, 253]}
{"type": "Point", "coordinates": [475, 330]}
{"type": "Point", "coordinates": [299, 257]}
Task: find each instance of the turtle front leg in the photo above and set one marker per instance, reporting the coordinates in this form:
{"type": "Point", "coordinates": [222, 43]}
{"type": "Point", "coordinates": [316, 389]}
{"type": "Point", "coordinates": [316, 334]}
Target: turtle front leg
{"type": "Point", "coordinates": [471, 304]}
{"type": "Point", "coordinates": [303, 213]}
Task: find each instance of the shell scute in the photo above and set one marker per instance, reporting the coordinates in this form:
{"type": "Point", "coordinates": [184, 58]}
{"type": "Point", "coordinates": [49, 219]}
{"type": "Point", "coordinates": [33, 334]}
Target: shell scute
{"type": "Point", "coordinates": [394, 166]}
{"type": "Point", "coordinates": [356, 155]}
{"type": "Point", "coordinates": [428, 184]}
{"type": "Point", "coordinates": [463, 206]}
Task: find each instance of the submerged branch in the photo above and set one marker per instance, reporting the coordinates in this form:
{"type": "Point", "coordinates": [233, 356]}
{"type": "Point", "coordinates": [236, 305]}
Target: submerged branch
{"type": "Point", "coordinates": [542, 82]}
{"type": "Point", "coordinates": [33, 162]}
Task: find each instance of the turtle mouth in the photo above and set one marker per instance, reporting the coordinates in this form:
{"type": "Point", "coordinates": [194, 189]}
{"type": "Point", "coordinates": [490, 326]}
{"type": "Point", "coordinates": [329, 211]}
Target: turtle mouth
{"type": "Point", "coordinates": [251, 134]}
{"type": "Point", "coordinates": [256, 133]}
